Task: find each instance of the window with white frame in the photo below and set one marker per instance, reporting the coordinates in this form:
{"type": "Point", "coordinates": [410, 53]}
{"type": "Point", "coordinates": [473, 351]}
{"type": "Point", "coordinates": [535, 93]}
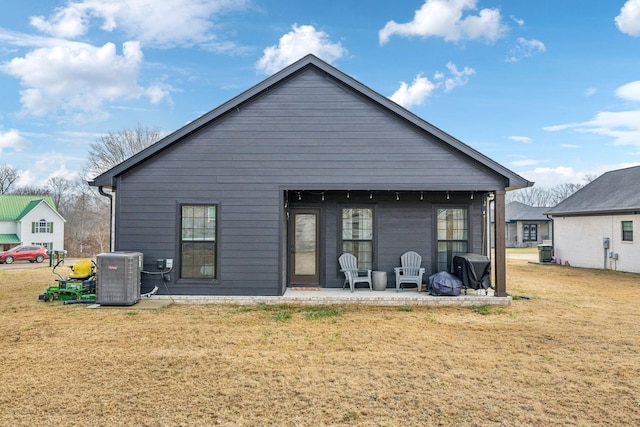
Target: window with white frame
{"type": "Point", "coordinates": [42, 226]}
{"type": "Point", "coordinates": [627, 231]}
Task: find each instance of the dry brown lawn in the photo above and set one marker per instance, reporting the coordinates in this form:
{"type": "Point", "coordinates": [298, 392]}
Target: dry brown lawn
{"type": "Point", "coordinates": [568, 356]}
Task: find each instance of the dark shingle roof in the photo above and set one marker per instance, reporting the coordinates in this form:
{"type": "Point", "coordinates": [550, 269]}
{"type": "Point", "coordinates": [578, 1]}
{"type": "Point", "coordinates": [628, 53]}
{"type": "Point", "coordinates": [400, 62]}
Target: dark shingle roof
{"type": "Point", "coordinates": [516, 211]}
{"type": "Point", "coordinates": [616, 191]}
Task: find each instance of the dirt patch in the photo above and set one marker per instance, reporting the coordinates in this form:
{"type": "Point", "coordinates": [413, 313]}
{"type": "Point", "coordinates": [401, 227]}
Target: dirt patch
{"type": "Point", "coordinates": [567, 356]}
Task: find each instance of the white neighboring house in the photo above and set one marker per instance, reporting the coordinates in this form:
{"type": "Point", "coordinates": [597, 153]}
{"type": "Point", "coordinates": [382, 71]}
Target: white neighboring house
{"type": "Point", "coordinates": [597, 226]}
{"type": "Point", "coordinates": [30, 220]}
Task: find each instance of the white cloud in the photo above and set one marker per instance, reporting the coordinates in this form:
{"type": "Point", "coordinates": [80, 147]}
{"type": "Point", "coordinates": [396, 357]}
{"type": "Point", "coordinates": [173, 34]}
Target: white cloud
{"type": "Point", "coordinates": [12, 139]}
{"type": "Point", "coordinates": [458, 78]}
{"type": "Point", "coordinates": [518, 21]}
{"type": "Point", "coordinates": [297, 43]}
{"type": "Point", "coordinates": [630, 91]}
{"type": "Point", "coordinates": [622, 126]}
{"type": "Point", "coordinates": [165, 23]}
{"type": "Point", "coordinates": [569, 146]}
{"type": "Point", "coordinates": [421, 88]}
{"type": "Point", "coordinates": [556, 128]}
{"type": "Point", "coordinates": [590, 91]}
{"type": "Point", "coordinates": [48, 164]}
{"type": "Point", "coordinates": [79, 77]}
{"type": "Point", "coordinates": [552, 176]}
{"type": "Point", "coordinates": [628, 21]}
{"type": "Point", "coordinates": [523, 139]}
{"type": "Point", "coordinates": [415, 93]}
{"type": "Point", "coordinates": [528, 162]}
{"type": "Point", "coordinates": [525, 49]}
{"type": "Point", "coordinates": [444, 18]}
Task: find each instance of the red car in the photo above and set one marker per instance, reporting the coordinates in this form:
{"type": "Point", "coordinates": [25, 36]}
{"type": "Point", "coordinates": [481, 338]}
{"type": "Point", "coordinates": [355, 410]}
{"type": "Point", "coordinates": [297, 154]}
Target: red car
{"type": "Point", "coordinates": [31, 253]}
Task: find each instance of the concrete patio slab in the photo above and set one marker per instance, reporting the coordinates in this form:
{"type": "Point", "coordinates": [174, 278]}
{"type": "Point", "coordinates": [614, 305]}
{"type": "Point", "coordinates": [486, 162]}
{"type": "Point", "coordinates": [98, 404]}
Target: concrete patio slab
{"type": "Point", "coordinates": [329, 296]}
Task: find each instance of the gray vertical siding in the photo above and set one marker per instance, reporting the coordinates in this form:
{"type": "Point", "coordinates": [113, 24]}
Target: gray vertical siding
{"type": "Point", "coordinates": [307, 132]}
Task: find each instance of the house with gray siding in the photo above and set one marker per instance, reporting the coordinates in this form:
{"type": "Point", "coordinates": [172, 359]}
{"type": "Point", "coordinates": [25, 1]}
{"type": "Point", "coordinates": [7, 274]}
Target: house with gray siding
{"type": "Point", "coordinates": [267, 190]}
{"type": "Point", "coordinates": [526, 226]}
{"type": "Point", "coordinates": [597, 226]}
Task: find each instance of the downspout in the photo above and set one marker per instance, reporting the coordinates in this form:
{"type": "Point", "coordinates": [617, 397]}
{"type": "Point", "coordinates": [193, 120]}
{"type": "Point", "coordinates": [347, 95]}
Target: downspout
{"type": "Point", "coordinates": [553, 235]}
{"type": "Point", "coordinates": [110, 196]}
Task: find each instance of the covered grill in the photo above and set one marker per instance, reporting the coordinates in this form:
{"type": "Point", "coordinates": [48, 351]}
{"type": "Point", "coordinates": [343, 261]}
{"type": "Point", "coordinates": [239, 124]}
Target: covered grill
{"type": "Point", "coordinates": [474, 270]}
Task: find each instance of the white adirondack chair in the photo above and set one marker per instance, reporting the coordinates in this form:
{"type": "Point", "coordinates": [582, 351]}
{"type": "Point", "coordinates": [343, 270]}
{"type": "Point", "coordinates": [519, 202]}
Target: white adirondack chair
{"type": "Point", "coordinates": [410, 272]}
{"type": "Point", "coordinates": [349, 266]}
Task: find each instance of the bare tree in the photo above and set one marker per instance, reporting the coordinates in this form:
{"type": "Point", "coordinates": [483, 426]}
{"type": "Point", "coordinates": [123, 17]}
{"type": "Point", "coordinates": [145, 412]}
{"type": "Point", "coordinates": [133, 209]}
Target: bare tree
{"type": "Point", "coordinates": [87, 227]}
{"type": "Point", "coordinates": [116, 147]}
{"type": "Point", "coordinates": [8, 176]}
{"type": "Point", "coordinates": [547, 196]}
{"type": "Point", "coordinates": [31, 190]}
{"type": "Point", "coordinates": [60, 189]}
{"type": "Point", "coordinates": [532, 196]}
{"type": "Point", "coordinates": [562, 191]}
{"type": "Point", "coordinates": [88, 213]}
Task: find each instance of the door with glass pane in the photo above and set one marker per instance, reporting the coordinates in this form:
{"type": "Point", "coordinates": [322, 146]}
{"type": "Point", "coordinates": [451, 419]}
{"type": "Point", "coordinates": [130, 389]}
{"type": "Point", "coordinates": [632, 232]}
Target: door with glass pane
{"type": "Point", "coordinates": [452, 236]}
{"type": "Point", "coordinates": [304, 247]}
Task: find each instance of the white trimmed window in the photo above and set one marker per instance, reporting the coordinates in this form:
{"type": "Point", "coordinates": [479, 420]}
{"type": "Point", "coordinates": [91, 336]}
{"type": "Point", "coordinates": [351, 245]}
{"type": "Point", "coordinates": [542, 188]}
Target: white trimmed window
{"type": "Point", "coordinates": [627, 231]}
{"type": "Point", "coordinates": [42, 226]}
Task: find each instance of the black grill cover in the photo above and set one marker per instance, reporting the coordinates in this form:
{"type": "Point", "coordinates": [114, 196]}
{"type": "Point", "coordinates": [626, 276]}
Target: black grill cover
{"type": "Point", "coordinates": [474, 270]}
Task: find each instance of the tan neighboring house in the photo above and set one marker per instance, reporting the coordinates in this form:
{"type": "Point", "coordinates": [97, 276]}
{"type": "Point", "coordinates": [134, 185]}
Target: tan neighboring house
{"type": "Point", "coordinates": [30, 220]}
{"type": "Point", "coordinates": [526, 226]}
{"type": "Point", "coordinates": [597, 226]}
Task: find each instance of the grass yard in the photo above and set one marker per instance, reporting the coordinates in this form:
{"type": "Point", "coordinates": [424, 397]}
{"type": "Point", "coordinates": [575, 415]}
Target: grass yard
{"type": "Point", "coordinates": [567, 356]}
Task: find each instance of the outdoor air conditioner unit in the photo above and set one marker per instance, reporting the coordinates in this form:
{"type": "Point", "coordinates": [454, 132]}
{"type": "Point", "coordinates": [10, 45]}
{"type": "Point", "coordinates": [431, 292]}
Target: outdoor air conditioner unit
{"type": "Point", "coordinates": [119, 278]}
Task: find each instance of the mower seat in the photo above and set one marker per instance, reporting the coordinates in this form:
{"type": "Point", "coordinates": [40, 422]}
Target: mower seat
{"type": "Point", "coordinates": [82, 269]}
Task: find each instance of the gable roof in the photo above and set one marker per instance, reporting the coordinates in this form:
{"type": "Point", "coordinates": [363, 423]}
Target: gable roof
{"type": "Point", "coordinates": [517, 211]}
{"type": "Point", "coordinates": [613, 192]}
{"type": "Point", "coordinates": [13, 207]}
{"type": "Point", "coordinates": [106, 179]}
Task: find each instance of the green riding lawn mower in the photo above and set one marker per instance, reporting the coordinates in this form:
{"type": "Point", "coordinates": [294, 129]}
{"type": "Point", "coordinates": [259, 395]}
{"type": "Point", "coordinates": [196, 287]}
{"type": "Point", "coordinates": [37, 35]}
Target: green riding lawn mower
{"type": "Point", "coordinates": [79, 287]}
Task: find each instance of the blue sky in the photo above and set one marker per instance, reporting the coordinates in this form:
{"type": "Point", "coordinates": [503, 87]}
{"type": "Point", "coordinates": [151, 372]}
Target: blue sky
{"type": "Point", "coordinates": [550, 89]}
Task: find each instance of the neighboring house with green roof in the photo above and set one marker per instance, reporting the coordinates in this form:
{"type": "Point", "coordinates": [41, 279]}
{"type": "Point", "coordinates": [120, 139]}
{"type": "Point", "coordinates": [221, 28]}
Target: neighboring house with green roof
{"type": "Point", "coordinates": [598, 225]}
{"type": "Point", "coordinates": [30, 220]}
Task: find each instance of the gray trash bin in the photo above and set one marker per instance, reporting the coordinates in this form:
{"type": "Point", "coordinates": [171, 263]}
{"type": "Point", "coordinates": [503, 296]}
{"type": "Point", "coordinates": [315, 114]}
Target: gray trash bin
{"type": "Point", "coordinates": [379, 280]}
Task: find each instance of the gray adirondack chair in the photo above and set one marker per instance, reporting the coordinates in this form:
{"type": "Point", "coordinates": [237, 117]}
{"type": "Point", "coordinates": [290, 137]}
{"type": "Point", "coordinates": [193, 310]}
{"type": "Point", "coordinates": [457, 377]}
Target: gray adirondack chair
{"type": "Point", "coordinates": [410, 271]}
{"type": "Point", "coordinates": [352, 275]}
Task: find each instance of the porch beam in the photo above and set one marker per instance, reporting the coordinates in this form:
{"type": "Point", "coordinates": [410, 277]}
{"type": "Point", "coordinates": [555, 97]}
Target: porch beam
{"type": "Point", "coordinates": [500, 261]}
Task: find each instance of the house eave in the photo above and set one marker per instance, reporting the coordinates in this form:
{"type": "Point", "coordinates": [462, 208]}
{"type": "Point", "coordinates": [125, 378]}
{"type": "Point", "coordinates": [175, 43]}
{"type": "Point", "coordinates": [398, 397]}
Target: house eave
{"type": "Point", "coordinates": [635, 211]}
